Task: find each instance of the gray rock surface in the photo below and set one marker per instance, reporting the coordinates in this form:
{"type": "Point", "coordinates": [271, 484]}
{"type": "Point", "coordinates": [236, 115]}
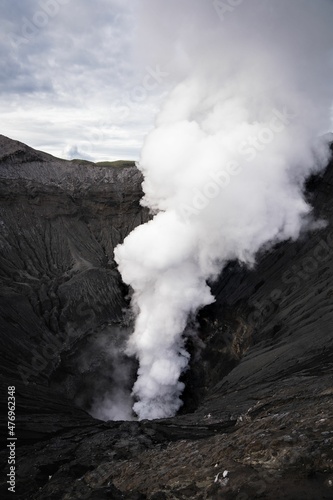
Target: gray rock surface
{"type": "Point", "coordinates": [259, 394]}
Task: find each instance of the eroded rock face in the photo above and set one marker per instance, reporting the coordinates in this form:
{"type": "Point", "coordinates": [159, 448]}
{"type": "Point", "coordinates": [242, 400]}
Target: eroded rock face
{"type": "Point", "coordinates": [259, 394]}
{"type": "Point", "coordinates": [59, 223]}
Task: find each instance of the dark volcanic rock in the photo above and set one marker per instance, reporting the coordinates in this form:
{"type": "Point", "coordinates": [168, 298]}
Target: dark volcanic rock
{"type": "Point", "coordinates": [259, 396]}
{"type": "Point", "coordinates": [59, 224]}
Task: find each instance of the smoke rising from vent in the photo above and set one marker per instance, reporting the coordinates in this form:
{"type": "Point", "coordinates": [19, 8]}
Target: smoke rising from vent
{"type": "Point", "coordinates": [225, 165]}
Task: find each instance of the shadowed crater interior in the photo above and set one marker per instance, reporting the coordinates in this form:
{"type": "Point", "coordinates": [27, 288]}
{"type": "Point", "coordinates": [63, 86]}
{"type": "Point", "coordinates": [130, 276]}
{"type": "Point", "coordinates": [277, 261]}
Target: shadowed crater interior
{"type": "Point", "coordinates": [258, 400]}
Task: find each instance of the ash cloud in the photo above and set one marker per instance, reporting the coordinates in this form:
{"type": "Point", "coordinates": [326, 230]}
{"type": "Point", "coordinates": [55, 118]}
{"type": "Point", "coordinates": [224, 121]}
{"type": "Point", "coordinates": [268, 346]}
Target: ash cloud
{"type": "Point", "coordinates": [97, 374]}
{"type": "Point", "coordinates": [224, 167]}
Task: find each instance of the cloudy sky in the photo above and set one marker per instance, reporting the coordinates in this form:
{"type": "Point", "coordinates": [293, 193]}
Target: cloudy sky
{"type": "Point", "coordinates": [71, 81]}
{"type": "Point", "coordinates": [83, 78]}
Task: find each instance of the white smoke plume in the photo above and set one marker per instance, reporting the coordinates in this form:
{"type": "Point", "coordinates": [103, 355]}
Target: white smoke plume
{"type": "Point", "coordinates": [225, 165]}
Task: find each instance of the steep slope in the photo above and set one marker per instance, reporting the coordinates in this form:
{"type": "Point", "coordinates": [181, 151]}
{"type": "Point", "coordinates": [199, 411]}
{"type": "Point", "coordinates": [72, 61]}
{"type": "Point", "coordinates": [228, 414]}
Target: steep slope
{"type": "Point", "coordinates": [60, 221]}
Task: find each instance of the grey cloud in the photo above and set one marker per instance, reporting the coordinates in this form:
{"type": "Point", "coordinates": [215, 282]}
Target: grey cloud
{"type": "Point", "coordinates": [77, 58]}
{"type": "Point", "coordinates": [225, 165]}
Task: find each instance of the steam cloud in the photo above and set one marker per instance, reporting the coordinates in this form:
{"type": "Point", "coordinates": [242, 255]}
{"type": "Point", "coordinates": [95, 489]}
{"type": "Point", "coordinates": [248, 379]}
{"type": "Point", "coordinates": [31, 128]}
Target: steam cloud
{"type": "Point", "coordinates": [225, 165]}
